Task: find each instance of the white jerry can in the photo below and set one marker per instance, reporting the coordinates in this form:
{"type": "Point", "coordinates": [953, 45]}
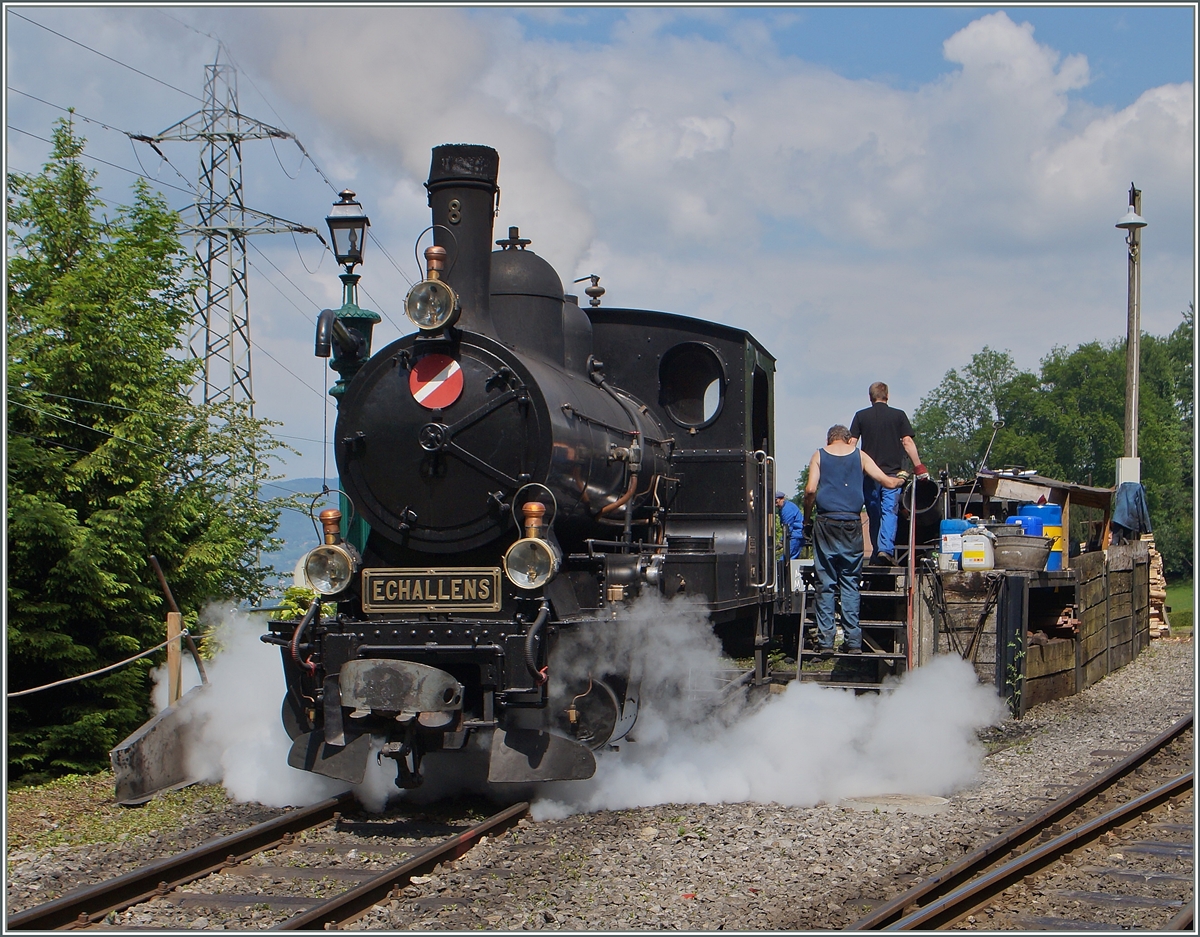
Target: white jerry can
{"type": "Point", "coordinates": [977, 550]}
{"type": "Point", "coordinates": [796, 568]}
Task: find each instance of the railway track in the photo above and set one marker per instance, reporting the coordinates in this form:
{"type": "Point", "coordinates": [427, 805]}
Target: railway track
{"type": "Point", "coordinates": [1018, 880]}
{"type": "Point", "coordinates": [313, 868]}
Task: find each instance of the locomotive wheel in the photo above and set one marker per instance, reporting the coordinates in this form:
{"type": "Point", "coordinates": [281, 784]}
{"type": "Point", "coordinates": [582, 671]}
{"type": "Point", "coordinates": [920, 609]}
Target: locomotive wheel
{"type": "Point", "coordinates": [597, 711]}
{"type": "Point", "coordinates": [295, 721]}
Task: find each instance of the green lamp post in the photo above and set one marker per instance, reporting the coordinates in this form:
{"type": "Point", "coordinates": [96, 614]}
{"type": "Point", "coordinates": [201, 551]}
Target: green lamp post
{"type": "Point", "coordinates": [348, 232]}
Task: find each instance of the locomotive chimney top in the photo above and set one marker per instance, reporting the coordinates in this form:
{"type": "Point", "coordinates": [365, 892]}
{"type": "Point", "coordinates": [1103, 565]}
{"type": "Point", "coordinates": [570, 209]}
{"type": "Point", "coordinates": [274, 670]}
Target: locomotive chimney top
{"type": "Point", "coordinates": [463, 195]}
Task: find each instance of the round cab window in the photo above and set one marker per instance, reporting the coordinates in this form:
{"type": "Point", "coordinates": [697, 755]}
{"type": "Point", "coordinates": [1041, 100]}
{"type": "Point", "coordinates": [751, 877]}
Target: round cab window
{"type": "Point", "coordinates": [691, 384]}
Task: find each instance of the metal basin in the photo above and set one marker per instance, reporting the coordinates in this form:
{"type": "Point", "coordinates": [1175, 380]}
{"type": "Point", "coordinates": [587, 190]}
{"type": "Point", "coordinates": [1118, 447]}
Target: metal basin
{"type": "Point", "coordinates": [1022, 552]}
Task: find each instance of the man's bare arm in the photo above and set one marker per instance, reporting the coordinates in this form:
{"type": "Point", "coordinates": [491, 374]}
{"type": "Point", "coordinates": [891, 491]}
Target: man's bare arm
{"type": "Point", "coordinates": [810, 489]}
{"type": "Point", "coordinates": [910, 449]}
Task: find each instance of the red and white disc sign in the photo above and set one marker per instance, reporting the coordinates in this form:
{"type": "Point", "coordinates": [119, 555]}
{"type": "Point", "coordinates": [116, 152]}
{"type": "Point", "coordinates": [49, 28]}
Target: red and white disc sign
{"type": "Point", "coordinates": [436, 381]}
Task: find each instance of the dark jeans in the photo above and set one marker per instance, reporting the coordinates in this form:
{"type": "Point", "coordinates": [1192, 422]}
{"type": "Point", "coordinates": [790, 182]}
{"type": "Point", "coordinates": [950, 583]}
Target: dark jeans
{"type": "Point", "coordinates": [838, 549]}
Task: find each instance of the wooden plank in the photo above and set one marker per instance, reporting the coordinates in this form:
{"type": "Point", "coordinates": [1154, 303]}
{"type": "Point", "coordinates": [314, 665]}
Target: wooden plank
{"type": "Point", "coordinates": [1120, 606]}
{"type": "Point", "coordinates": [1093, 622]}
{"type": "Point", "coordinates": [1009, 489]}
{"type": "Point", "coordinates": [1049, 687]}
{"type": "Point", "coordinates": [1088, 566]}
{"type": "Point", "coordinates": [1091, 593]}
{"type": "Point", "coordinates": [1067, 561]}
{"type": "Point", "coordinates": [1120, 580]}
{"type": "Point", "coordinates": [1120, 655]}
{"type": "Point", "coordinates": [1044, 659]}
{"type": "Point", "coordinates": [1120, 631]}
{"type": "Point", "coordinates": [1094, 669]}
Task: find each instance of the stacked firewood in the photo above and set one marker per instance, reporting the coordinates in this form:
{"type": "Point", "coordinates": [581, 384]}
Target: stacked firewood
{"type": "Point", "coordinates": [1160, 626]}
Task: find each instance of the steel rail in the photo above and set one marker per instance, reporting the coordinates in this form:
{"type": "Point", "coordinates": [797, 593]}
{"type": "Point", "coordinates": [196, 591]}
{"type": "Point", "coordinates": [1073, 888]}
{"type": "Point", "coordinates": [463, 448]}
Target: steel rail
{"type": "Point", "coordinates": [1185, 919]}
{"type": "Point", "coordinates": [960, 902]}
{"type": "Point", "coordinates": [350, 904]}
{"type": "Point", "coordinates": [91, 903]}
{"type": "Point", "coordinates": [970, 865]}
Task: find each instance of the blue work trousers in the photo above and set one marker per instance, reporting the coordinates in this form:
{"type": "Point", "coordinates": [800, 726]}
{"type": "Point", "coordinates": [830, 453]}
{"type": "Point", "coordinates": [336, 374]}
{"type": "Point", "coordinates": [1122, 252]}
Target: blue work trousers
{"type": "Point", "coordinates": [838, 549]}
{"type": "Point", "coordinates": [883, 508]}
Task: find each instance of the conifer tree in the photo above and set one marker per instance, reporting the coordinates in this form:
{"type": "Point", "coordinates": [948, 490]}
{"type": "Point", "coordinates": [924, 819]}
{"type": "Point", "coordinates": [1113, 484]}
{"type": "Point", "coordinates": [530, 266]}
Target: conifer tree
{"type": "Point", "coordinates": [109, 462]}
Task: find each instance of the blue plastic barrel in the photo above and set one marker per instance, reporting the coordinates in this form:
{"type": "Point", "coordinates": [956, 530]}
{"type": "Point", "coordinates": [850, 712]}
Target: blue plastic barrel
{"type": "Point", "coordinates": [1051, 518]}
{"type": "Point", "coordinates": [952, 531]}
{"type": "Point", "coordinates": [1030, 526]}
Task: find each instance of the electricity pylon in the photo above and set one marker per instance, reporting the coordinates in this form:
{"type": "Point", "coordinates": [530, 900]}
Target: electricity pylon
{"type": "Point", "coordinates": [220, 332]}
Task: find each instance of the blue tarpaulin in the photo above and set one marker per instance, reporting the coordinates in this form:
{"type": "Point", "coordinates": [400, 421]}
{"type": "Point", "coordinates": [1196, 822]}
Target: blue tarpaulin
{"type": "Point", "coordinates": [1130, 510]}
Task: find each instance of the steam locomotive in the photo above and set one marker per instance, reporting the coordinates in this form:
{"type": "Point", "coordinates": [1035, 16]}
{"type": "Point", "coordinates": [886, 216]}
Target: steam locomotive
{"type": "Point", "coordinates": [515, 472]}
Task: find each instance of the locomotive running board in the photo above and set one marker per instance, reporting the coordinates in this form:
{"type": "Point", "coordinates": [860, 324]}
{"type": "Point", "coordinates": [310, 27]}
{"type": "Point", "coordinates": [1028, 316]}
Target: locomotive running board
{"type": "Point", "coordinates": [522, 755]}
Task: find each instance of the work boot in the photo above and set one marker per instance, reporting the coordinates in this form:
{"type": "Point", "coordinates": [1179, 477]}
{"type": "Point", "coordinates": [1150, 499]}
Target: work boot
{"type": "Point", "coordinates": [825, 653]}
{"type": "Point", "coordinates": [885, 559]}
{"type": "Point", "coordinates": [852, 650]}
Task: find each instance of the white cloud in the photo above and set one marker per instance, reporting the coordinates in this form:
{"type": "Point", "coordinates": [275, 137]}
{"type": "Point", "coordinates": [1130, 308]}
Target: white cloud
{"type": "Point", "coordinates": [887, 233]}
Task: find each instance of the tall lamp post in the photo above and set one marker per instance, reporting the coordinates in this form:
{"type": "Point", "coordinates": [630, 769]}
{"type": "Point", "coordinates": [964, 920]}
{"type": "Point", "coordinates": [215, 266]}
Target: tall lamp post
{"type": "Point", "coordinates": [1129, 467]}
{"type": "Point", "coordinates": [346, 332]}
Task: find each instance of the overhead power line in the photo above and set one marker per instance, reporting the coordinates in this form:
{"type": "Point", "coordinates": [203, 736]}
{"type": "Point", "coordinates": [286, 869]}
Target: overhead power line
{"type": "Point", "coordinates": [166, 84]}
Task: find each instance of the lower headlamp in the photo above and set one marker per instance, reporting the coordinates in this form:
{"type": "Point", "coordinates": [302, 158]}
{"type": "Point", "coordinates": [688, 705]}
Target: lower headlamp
{"type": "Point", "coordinates": [329, 568]}
{"type": "Point", "coordinates": [531, 562]}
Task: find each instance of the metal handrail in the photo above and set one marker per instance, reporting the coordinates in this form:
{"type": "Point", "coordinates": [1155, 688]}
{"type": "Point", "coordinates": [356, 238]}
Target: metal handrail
{"type": "Point", "coordinates": [766, 465]}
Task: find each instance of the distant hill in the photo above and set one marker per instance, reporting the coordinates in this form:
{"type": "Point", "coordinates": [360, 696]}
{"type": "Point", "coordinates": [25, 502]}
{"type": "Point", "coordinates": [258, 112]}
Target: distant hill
{"type": "Point", "coordinates": [297, 529]}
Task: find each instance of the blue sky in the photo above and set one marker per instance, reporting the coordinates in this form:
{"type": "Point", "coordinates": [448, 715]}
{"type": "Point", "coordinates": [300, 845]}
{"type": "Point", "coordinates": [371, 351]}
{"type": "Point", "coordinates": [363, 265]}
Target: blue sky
{"type": "Point", "coordinates": [903, 185]}
{"type": "Point", "coordinates": [1129, 48]}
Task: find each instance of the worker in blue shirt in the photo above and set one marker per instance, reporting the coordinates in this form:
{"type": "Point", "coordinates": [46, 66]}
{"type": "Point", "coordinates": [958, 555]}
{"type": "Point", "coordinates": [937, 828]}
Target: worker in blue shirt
{"type": "Point", "coordinates": [793, 523]}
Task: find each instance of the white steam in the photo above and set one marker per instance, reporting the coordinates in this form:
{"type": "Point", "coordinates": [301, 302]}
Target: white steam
{"type": "Point", "coordinates": [801, 747]}
{"type": "Point", "coordinates": [236, 736]}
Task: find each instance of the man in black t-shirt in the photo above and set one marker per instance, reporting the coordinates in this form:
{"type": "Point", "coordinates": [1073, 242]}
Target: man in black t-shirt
{"type": "Point", "coordinates": [886, 437]}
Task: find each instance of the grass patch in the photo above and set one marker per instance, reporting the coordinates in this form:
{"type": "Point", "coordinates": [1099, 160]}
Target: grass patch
{"type": "Point", "coordinates": [1179, 598]}
{"type": "Point", "coordinates": [79, 810]}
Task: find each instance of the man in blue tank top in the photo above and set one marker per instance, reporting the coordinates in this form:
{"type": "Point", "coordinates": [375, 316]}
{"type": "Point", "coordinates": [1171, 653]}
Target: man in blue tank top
{"type": "Point", "coordinates": [835, 488]}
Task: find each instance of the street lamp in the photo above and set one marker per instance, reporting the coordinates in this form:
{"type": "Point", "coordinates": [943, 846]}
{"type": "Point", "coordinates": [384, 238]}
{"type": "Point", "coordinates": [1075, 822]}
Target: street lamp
{"type": "Point", "coordinates": [1129, 467]}
{"type": "Point", "coordinates": [348, 228]}
{"type": "Point", "coordinates": [346, 332]}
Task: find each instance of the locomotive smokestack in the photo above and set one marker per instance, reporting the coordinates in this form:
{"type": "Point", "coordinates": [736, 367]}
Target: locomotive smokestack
{"type": "Point", "coordinates": [462, 194]}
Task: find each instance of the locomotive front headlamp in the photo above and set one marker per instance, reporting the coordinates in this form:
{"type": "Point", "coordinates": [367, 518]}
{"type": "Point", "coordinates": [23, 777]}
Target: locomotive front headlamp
{"type": "Point", "coordinates": [348, 229]}
{"type": "Point", "coordinates": [531, 562]}
{"type": "Point", "coordinates": [329, 568]}
{"type": "Point", "coordinates": [431, 305]}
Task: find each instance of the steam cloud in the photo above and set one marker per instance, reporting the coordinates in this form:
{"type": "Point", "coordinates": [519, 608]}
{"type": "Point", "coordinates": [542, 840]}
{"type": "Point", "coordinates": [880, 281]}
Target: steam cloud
{"type": "Point", "coordinates": [799, 748]}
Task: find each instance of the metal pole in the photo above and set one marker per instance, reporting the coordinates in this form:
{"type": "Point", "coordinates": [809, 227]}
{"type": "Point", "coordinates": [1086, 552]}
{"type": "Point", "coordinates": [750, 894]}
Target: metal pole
{"type": "Point", "coordinates": [1133, 341]}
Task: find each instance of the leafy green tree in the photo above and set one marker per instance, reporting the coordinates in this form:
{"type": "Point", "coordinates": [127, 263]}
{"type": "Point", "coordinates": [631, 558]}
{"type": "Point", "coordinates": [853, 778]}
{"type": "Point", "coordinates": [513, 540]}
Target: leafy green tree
{"type": "Point", "coordinates": [109, 462]}
{"type": "Point", "coordinates": [1067, 421]}
{"type": "Point", "coordinates": [953, 423]}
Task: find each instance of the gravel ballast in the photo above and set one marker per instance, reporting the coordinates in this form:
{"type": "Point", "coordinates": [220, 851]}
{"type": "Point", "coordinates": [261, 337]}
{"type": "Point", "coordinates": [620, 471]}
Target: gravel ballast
{"type": "Point", "coordinates": [717, 866]}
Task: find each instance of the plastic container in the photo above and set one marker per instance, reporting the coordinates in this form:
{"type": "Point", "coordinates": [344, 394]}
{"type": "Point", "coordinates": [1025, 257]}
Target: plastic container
{"type": "Point", "coordinates": [1051, 518]}
{"type": "Point", "coordinates": [952, 531]}
{"type": "Point", "coordinates": [1030, 526]}
{"type": "Point", "coordinates": [978, 551]}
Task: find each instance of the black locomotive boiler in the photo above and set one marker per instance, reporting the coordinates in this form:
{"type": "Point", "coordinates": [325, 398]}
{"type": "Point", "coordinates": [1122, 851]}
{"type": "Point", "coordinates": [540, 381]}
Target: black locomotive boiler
{"type": "Point", "coordinates": [519, 469]}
